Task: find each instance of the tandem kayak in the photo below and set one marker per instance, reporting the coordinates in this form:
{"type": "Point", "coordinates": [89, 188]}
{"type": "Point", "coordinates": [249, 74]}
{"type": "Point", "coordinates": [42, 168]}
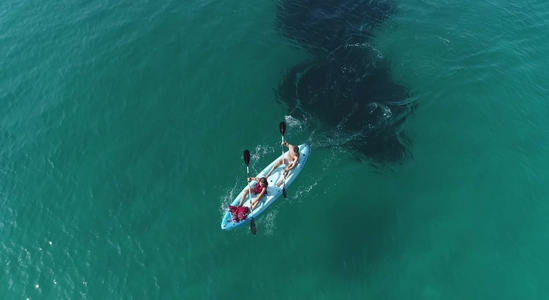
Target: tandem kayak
{"type": "Point", "coordinates": [273, 191]}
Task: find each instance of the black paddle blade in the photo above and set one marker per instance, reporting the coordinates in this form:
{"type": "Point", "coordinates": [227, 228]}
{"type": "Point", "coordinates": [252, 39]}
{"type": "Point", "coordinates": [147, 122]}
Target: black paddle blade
{"type": "Point", "coordinates": [284, 192]}
{"type": "Point", "coordinates": [246, 156]}
{"type": "Point", "coordinates": [252, 227]}
{"type": "Point", "coordinates": [282, 127]}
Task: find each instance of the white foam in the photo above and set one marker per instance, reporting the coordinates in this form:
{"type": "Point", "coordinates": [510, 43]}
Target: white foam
{"type": "Point", "coordinates": [269, 221]}
{"type": "Point", "coordinates": [228, 197]}
{"type": "Point", "coordinates": [302, 191]}
{"type": "Point", "coordinates": [294, 123]}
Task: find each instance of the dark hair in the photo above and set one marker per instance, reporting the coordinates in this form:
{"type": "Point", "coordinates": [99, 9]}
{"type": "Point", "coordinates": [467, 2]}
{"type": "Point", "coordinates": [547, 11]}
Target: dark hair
{"type": "Point", "coordinates": [264, 180]}
{"type": "Point", "coordinates": [296, 149]}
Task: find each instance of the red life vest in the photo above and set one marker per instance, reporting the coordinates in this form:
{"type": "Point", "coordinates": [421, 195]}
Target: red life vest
{"type": "Point", "coordinates": [258, 188]}
{"type": "Point", "coordinates": [239, 213]}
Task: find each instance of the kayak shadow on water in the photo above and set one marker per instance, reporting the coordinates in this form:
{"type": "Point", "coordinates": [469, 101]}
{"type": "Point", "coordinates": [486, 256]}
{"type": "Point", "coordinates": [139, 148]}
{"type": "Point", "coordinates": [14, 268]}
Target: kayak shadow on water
{"type": "Point", "coordinates": [363, 236]}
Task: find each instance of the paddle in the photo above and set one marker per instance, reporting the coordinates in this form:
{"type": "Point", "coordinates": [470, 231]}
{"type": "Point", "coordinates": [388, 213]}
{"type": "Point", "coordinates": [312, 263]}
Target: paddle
{"type": "Point", "coordinates": [282, 127]}
{"type": "Point", "coordinates": [247, 161]}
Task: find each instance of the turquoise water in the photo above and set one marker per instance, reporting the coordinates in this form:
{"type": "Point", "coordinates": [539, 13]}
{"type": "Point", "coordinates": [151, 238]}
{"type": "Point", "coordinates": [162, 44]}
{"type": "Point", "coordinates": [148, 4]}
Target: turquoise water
{"type": "Point", "coordinates": [123, 126]}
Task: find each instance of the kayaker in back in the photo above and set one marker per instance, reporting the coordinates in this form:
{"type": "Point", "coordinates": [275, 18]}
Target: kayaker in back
{"type": "Point", "coordinates": [291, 161]}
{"type": "Point", "coordinates": [259, 189]}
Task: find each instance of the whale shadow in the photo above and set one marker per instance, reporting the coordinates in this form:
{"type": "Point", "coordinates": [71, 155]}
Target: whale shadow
{"type": "Point", "coordinates": [352, 94]}
{"type": "Point", "coordinates": [323, 26]}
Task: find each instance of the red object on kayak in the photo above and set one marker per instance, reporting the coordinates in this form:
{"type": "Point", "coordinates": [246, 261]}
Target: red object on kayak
{"type": "Point", "coordinates": [239, 213]}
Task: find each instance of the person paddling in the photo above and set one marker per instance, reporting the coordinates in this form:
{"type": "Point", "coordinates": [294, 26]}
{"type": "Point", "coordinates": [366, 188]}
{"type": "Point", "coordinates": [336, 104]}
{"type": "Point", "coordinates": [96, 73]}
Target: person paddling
{"type": "Point", "coordinates": [259, 189]}
{"type": "Point", "coordinates": [291, 160]}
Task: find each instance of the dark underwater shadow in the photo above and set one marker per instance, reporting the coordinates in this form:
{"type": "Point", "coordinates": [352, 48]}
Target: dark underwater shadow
{"type": "Point", "coordinates": [352, 93]}
{"type": "Point", "coordinates": [363, 236]}
{"type": "Point", "coordinates": [321, 26]}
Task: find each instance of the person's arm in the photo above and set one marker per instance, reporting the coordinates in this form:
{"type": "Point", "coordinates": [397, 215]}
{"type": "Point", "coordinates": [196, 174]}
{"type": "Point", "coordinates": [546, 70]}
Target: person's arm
{"type": "Point", "coordinates": [290, 166]}
{"type": "Point", "coordinates": [258, 198]}
{"type": "Point", "coordinates": [253, 178]}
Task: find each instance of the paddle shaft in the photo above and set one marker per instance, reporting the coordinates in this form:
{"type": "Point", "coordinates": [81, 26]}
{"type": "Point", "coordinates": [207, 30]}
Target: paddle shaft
{"type": "Point", "coordinates": [247, 161]}
{"type": "Point", "coordinates": [282, 128]}
{"type": "Point", "coordinates": [249, 190]}
{"type": "Point", "coordinates": [282, 146]}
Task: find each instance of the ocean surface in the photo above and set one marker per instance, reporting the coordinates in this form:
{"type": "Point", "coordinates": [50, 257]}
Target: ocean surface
{"type": "Point", "coordinates": [122, 126]}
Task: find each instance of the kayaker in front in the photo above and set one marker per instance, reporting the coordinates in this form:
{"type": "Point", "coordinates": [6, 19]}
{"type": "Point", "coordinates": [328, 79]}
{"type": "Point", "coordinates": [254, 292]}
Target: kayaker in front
{"type": "Point", "coordinates": [291, 160]}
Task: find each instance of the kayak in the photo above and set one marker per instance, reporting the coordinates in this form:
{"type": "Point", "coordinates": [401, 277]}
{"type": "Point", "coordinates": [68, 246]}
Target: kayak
{"type": "Point", "coordinates": [273, 191]}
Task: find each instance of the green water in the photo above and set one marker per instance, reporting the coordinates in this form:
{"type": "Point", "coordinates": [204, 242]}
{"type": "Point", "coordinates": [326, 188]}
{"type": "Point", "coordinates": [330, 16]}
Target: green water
{"type": "Point", "coordinates": [122, 130]}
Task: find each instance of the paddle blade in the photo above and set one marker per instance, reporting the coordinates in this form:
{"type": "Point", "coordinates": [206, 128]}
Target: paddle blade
{"type": "Point", "coordinates": [284, 192]}
{"type": "Point", "coordinates": [246, 157]}
{"type": "Point", "coordinates": [252, 226]}
{"type": "Point", "coordinates": [282, 127]}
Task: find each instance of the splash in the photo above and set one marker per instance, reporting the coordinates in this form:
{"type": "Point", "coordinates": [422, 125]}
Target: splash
{"type": "Point", "coordinates": [269, 222]}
